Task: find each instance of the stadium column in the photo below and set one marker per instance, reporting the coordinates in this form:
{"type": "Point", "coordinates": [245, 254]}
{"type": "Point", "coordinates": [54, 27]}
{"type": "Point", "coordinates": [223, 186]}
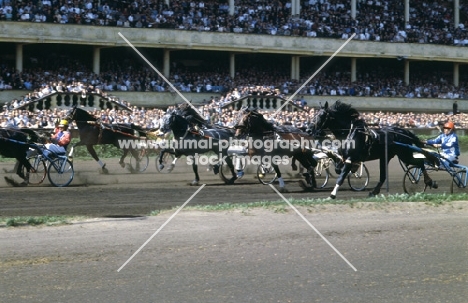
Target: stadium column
{"type": "Point", "coordinates": [456, 13]}
{"type": "Point", "coordinates": [353, 69]}
{"type": "Point", "coordinates": [407, 72]}
{"type": "Point", "coordinates": [19, 57]}
{"type": "Point", "coordinates": [353, 9]}
{"type": "Point", "coordinates": [295, 67]}
{"type": "Point", "coordinates": [232, 65]}
{"type": "Point", "coordinates": [167, 63]}
{"type": "Point", "coordinates": [96, 60]}
{"type": "Point", "coordinates": [295, 7]}
{"type": "Point", "coordinates": [456, 74]}
{"type": "Point", "coordinates": [406, 11]}
{"type": "Point", "coordinates": [231, 7]}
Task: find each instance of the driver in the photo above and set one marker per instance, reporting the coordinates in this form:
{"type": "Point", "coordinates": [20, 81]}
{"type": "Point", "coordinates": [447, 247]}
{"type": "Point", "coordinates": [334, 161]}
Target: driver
{"type": "Point", "coordinates": [448, 142]}
{"type": "Point", "coordinates": [60, 139]}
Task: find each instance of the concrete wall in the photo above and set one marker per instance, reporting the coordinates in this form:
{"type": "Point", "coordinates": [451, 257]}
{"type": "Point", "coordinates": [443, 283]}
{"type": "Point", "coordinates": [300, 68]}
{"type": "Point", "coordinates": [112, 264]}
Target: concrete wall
{"type": "Point", "coordinates": [25, 33]}
{"type": "Point", "coordinates": [28, 32]}
{"type": "Point", "coordinates": [147, 99]}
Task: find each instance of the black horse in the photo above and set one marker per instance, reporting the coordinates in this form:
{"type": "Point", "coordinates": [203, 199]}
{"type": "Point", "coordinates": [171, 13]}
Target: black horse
{"type": "Point", "coordinates": [93, 132]}
{"type": "Point", "coordinates": [192, 141]}
{"type": "Point", "coordinates": [287, 141]}
{"type": "Point", "coordinates": [15, 143]}
{"type": "Point", "coordinates": [360, 143]}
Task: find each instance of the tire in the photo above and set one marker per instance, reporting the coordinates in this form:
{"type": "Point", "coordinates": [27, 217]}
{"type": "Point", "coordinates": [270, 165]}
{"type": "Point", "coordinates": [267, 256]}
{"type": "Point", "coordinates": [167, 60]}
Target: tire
{"type": "Point", "coordinates": [144, 161]}
{"type": "Point", "coordinates": [266, 174]}
{"type": "Point", "coordinates": [40, 170]}
{"type": "Point", "coordinates": [458, 183]}
{"type": "Point", "coordinates": [224, 171]}
{"type": "Point", "coordinates": [413, 181]}
{"type": "Point", "coordinates": [56, 176]}
{"type": "Point", "coordinates": [167, 161]}
{"type": "Point", "coordinates": [322, 173]}
{"type": "Point", "coordinates": [359, 180]}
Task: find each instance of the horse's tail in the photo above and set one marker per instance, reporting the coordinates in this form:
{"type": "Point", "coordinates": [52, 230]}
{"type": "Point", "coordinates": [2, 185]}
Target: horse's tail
{"type": "Point", "coordinates": [33, 136]}
{"type": "Point", "coordinates": [408, 137]}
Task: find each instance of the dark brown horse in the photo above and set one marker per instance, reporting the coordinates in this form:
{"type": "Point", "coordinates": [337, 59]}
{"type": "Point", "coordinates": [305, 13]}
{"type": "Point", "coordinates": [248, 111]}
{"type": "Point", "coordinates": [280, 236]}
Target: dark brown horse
{"type": "Point", "coordinates": [93, 132]}
{"type": "Point", "coordinates": [283, 142]}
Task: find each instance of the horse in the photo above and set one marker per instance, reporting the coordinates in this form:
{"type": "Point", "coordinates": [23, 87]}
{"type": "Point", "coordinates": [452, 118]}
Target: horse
{"type": "Point", "coordinates": [359, 143]}
{"type": "Point", "coordinates": [15, 143]}
{"type": "Point", "coordinates": [93, 132]}
{"type": "Point", "coordinates": [288, 141]}
{"type": "Point", "coordinates": [192, 141]}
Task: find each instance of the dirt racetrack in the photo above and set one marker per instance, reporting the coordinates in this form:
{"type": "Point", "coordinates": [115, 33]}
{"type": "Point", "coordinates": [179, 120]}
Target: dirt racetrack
{"type": "Point", "coordinates": [121, 193]}
{"type": "Point", "coordinates": [402, 252]}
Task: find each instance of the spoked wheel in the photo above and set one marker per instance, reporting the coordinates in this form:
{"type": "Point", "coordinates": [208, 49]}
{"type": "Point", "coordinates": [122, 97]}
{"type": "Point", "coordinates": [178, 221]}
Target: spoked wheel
{"type": "Point", "coordinates": [38, 170]}
{"type": "Point", "coordinates": [322, 173]}
{"type": "Point", "coordinates": [266, 174]}
{"type": "Point", "coordinates": [358, 178]}
{"type": "Point", "coordinates": [166, 161]}
{"type": "Point", "coordinates": [458, 183]}
{"type": "Point", "coordinates": [224, 171]}
{"type": "Point", "coordinates": [143, 161]}
{"type": "Point", "coordinates": [60, 172]}
{"type": "Point", "coordinates": [413, 181]}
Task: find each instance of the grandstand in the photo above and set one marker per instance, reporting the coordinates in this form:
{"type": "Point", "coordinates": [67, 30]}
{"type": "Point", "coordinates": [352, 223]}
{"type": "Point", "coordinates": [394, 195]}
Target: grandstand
{"type": "Point", "coordinates": [287, 46]}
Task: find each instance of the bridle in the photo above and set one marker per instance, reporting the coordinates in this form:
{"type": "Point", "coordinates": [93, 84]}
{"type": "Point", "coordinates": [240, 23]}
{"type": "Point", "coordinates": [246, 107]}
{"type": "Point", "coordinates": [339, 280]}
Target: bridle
{"type": "Point", "coordinates": [316, 128]}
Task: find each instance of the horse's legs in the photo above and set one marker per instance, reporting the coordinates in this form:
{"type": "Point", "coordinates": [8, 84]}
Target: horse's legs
{"type": "Point", "coordinates": [308, 162]}
{"type": "Point", "coordinates": [93, 154]}
{"type": "Point", "coordinates": [195, 171]}
{"type": "Point", "coordinates": [72, 149]}
{"type": "Point", "coordinates": [419, 163]}
{"type": "Point", "coordinates": [161, 156]}
{"type": "Point", "coordinates": [124, 155]}
{"type": "Point", "coordinates": [341, 178]}
{"type": "Point", "coordinates": [282, 186]}
{"type": "Point", "coordinates": [136, 154]}
{"type": "Point", "coordinates": [383, 177]}
{"type": "Point", "coordinates": [232, 169]}
{"type": "Point", "coordinates": [23, 162]}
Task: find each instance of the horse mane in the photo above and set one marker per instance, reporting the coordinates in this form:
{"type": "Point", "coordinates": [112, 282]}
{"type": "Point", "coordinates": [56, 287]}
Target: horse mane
{"type": "Point", "coordinates": [90, 116]}
{"type": "Point", "coordinates": [343, 109]}
{"type": "Point", "coordinates": [186, 110]}
{"type": "Point", "coordinates": [271, 126]}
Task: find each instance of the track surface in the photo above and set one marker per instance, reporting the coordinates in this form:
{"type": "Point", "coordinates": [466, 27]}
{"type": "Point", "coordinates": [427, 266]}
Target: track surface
{"type": "Point", "coordinates": [403, 252]}
{"type": "Point", "coordinates": [121, 193]}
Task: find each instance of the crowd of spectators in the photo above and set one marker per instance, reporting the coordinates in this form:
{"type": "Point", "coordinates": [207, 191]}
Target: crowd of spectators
{"type": "Point", "coordinates": [374, 79]}
{"type": "Point", "coordinates": [214, 113]}
{"type": "Point", "coordinates": [430, 22]}
{"type": "Point", "coordinates": [376, 20]}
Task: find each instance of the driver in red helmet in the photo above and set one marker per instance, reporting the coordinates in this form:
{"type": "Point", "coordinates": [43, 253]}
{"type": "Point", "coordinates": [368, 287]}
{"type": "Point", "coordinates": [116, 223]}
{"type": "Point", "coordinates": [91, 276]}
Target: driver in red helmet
{"type": "Point", "coordinates": [448, 142]}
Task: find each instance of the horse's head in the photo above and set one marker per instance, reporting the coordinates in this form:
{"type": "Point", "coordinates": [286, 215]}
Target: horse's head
{"type": "Point", "coordinates": [320, 121]}
{"type": "Point", "coordinates": [172, 121]}
{"type": "Point", "coordinates": [337, 118]}
{"type": "Point", "coordinates": [242, 125]}
{"type": "Point", "coordinates": [71, 114]}
{"type": "Point", "coordinates": [252, 123]}
{"type": "Point", "coordinates": [79, 115]}
{"type": "Point", "coordinates": [166, 122]}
